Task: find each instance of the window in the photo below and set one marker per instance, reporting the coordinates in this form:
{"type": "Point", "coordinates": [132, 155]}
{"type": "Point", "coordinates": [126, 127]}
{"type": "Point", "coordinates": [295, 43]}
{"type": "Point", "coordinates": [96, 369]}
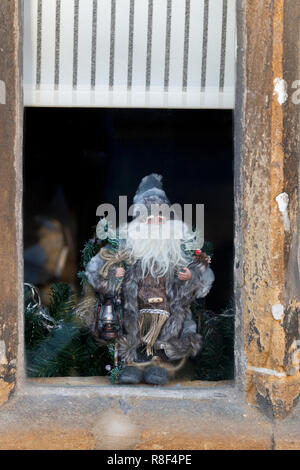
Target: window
{"type": "Point", "coordinates": [77, 159]}
{"type": "Point", "coordinates": [111, 55]}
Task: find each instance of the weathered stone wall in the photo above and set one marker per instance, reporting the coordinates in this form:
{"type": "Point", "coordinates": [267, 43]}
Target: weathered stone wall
{"type": "Point", "coordinates": [267, 205]}
{"type": "Point", "coordinates": [11, 192]}
{"type": "Point", "coordinates": [62, 414]}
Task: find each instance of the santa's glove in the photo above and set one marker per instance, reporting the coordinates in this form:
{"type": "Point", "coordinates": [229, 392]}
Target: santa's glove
{"type": "Point", "coordinates": [185, 346]}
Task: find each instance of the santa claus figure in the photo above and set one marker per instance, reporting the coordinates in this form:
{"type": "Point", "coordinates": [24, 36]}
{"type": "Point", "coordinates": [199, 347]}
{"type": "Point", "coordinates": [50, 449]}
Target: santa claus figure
{"type": "Point", "coordinates": [156, 273]}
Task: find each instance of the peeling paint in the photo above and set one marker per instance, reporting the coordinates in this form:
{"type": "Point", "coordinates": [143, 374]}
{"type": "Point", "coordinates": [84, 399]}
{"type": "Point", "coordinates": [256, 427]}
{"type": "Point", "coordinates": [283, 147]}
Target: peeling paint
{"type": "Point", "coordinates": [263, 370]}
{"type": "Point", "coordinates": [2, 92]}
{"type": "Point", "coordinates": [280, 89]}
{"type": "Point", "coordinates": [277, 311]}
{"type": "Point", "coordinates": [283, 202]}
{"type": "Point", "coordinates": [3, 358]}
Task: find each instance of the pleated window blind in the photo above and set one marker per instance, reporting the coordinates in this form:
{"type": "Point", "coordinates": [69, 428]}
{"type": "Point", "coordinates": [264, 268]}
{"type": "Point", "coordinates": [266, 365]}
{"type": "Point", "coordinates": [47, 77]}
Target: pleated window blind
{"type": "Point", "coordinates": [129, 53]}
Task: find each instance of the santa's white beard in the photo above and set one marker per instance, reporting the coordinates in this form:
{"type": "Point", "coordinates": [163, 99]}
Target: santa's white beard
{"type": "Point", "coordinates": [157, 247]}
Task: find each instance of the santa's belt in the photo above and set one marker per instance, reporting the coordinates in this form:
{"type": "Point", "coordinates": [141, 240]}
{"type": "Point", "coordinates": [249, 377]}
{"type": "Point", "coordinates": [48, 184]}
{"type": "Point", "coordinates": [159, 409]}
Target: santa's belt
{"type": "Point", "coordinates": [155, 300]}
{"type": "Point", "coordinates": [157, 311]}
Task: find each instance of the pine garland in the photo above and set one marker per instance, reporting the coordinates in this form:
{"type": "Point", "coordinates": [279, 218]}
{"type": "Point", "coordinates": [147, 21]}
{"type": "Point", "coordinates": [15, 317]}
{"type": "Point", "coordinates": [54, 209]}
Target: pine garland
{"type": "Point", "coordinates": [63, 347]}
{"type": "Point", "coordinates": [62, 302]}
{"type": "Point", "coordinates": [89, 250]}
{"type": "Point", "coordinates": [116, 371]}
{"type": "Point", "coordinates": [216, 359]}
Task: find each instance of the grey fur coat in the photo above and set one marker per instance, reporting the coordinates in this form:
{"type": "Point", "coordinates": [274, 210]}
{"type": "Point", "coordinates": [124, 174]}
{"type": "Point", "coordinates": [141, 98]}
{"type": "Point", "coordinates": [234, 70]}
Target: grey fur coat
{"type": "Point", "coordinates": [178, 337]}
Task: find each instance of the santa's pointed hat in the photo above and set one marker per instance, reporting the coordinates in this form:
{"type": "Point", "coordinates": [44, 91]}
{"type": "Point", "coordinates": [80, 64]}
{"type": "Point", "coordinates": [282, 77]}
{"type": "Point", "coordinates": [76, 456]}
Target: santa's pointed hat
{"type": "Point", "coordinates": [150, 192]}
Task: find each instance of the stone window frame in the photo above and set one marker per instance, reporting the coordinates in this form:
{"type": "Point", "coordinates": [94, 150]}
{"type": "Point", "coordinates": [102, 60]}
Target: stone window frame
{"type": "Point", "coordinates": [267, 260]}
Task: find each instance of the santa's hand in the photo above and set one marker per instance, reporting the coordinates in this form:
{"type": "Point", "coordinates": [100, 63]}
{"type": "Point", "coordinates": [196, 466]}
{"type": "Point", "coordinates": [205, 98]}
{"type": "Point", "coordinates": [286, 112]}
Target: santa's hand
{"type": "Point", "coordinates": [120, 272]}
{"type": "Point", "coordinates": [186, 275]}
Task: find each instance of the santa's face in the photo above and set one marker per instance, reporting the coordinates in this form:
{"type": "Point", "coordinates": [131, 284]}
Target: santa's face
{"type": "Point", "coordinates": [156, 243]}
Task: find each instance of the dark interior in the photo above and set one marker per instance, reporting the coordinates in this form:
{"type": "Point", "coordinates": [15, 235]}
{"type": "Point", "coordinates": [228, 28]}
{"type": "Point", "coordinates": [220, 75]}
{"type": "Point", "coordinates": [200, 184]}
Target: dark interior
{"type": "Point", "coordinates": [76, 159]}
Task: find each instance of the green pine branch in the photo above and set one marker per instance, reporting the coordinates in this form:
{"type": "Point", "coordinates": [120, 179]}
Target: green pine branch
{"type": "Point", "coordinates": [89, 250]}
{"type": "Point", "coordinates": [62, 302]}
{"type": "Point", "coordinates": [216, 359]}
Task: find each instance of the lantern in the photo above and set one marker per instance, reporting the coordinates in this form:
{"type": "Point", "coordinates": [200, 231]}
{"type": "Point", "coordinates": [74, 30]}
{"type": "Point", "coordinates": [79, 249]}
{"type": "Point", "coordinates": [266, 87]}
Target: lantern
{"type": "Point", "coordinates": [108, 320]}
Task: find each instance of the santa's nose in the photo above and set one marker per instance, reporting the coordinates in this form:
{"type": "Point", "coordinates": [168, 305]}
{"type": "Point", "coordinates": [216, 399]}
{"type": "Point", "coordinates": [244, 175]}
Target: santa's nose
{"type": "Point", "coordinates": [156, 220]}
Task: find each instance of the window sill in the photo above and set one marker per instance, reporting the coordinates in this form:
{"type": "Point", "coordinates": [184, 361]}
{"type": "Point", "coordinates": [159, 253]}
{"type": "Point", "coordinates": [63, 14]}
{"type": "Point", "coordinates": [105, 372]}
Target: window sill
{"type": "Point", "coordinates": [90, 413]}
{"type": "Point", "coordinates": [101, 386]}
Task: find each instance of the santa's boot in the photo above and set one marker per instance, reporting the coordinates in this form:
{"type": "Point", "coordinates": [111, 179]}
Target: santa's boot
{"type": "Point", "coordinates": [131, 375]}
{"type": "Point", "coordinates": [155, 376]}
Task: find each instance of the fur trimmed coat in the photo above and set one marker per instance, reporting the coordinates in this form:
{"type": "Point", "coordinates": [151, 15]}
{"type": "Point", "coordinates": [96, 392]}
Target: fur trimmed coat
{"type": "Point", "coordinates": [178, 337]}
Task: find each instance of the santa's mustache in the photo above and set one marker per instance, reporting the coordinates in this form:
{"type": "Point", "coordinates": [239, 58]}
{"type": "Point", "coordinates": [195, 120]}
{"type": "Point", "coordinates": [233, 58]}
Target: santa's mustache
{"type": "Point", "coordinates": [167, 229]}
